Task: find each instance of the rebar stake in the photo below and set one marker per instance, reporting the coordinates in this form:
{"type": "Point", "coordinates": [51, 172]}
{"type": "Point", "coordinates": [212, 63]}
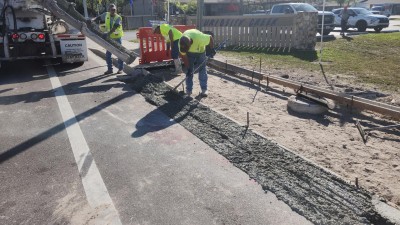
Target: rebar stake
{"type": "Point", "coordinates": [357, 182]}
{"type": "Point", "coordinates": [252, 76]}
{"type": "Point", "coordinates": [248, 119]}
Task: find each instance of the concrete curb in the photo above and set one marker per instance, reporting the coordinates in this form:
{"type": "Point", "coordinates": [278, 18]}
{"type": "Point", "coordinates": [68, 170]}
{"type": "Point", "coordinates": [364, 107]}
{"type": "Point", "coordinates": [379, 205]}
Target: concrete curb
{"type": "Point", "coordinates": [385, 210]}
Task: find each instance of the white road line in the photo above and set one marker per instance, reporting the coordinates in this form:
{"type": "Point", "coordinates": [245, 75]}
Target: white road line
{"type": "Point", "coordinates": [95, 189]}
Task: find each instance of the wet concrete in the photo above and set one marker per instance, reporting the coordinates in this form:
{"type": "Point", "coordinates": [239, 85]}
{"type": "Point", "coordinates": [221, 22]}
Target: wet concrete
{"type": "Point", "coordinates": [318, 195]}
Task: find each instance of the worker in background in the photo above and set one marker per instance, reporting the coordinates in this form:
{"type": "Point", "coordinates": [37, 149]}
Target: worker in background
{"type": "Point", "coordinates": [112, 28]}
{"type": "Point", "coordinates": [171, 34]}
{"type": "Point", "coordinates": [344, 15]}
{"type": "Point", "coordinates": [192, 46]}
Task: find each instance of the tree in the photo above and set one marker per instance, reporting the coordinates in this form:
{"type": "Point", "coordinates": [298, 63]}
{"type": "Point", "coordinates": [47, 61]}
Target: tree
{"type": "Point", "coordinates": [189, 8]}
{"type": "Point", "coordinates": [340, 2]}
{"type": "Point", "coordinates": [93, 4]}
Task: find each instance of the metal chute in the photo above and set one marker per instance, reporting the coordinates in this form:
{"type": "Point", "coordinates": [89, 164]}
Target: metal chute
{"type": "Point", "coordinates": [66, 11]}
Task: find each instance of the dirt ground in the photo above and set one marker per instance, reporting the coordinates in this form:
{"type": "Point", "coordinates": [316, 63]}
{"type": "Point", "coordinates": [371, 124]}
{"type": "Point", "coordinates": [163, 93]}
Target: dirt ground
{"type": "Point", "coordinates": [330, 140]}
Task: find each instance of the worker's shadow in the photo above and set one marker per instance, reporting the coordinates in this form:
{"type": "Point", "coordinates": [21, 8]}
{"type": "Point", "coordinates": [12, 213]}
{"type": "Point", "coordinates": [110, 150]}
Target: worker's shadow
{"type": "Point", "coordinates": [152, 122]}
{"type": "Point", "coordinates": [160, 118]}
{"type": "Point", "coordinates": [347, 38]}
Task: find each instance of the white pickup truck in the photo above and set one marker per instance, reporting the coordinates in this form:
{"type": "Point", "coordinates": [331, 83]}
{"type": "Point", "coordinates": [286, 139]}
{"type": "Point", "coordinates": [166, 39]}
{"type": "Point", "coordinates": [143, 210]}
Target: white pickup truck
{"type": "Point", "coordinates": [35, 29]}
{"type": "Point", "coordinates": [294, 8]}
{"type": "Point", "coordinates": [29, 31]}
{"type": "Point", "coordinates": [362, 19]}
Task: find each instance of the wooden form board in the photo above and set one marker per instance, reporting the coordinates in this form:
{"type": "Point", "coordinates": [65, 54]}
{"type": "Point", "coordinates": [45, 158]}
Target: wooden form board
{"type": "Point", "coordinates": [341, 98]}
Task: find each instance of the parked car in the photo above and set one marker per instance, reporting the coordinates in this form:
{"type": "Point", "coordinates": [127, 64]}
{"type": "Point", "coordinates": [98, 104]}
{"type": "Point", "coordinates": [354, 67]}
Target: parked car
{"type": "Point", "coordinates": [381, 10]}
{"type": "Point", "coordinates": [294, 8]}
{"type": "Point", "coordinates": [258, 12]}
{"type": "Point", "coordinates": [375, 12]}
{"type": "Point", "coordinates": [362, 19]}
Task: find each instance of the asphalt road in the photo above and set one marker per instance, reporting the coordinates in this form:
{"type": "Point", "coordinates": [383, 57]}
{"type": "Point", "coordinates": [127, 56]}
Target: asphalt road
{"type": "Point", "coordinates": [80, 147]}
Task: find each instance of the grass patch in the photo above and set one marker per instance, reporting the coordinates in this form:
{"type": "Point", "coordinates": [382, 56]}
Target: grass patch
{"type": "Point", "coordinates": [273, 57]}
{"type": "Point", "coordinates": [371, 58]}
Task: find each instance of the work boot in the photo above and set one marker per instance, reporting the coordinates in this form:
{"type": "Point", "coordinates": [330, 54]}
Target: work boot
{"type": "Point", "coordinates": [108, 72]}
{"type": "Point", "coordinates": [119, 71]}
{"type": "Point", "coordinates": [188, 93]}
{"type": "Point", "coordinates": [204, 93]}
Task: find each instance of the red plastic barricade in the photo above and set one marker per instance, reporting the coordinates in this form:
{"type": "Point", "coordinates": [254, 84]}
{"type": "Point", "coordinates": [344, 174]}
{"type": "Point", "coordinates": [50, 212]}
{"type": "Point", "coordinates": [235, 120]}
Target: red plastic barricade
{"type": "Point", "coordinates": [152, 46]}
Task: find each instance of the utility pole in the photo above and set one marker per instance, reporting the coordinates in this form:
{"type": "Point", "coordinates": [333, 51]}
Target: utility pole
{"type": "Point", "coordinates": [167, 11]}
{"type": "Point", "coordinates": [200, 12]}
{"type": "Point", "coordinates": [85, 9]}
{"type": "Point", "coordinates": [152, 7]}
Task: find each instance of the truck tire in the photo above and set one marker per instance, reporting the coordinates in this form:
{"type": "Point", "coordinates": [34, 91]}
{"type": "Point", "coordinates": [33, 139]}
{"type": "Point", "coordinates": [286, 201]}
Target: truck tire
{"type": "Point", "coordinates": [300, 105]}
{"type": "Point", "coordinates": [326, 32]}
{"type": "Point", "coordinates": [378, 29]}
{"type": "Point", "coordinates": [361, 26]}
{"type": "Point", "coordinates": [78, 64]}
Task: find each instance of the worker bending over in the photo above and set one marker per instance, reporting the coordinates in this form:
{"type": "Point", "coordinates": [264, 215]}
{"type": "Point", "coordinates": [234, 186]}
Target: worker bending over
{"type": "Point", "coordinates": [192, 46]}
{"type": "Point", "coordinates": [171, 34]}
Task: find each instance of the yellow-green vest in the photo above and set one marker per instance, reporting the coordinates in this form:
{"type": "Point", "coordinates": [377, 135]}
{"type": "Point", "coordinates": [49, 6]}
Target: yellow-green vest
{"type": "Point", "coordinates": [119, 32]}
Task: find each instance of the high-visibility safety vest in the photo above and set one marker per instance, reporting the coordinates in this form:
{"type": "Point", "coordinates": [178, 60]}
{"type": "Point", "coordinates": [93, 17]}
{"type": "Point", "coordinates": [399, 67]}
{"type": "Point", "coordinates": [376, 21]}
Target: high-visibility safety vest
{"type": "Point", "coordinates": [119, 32]}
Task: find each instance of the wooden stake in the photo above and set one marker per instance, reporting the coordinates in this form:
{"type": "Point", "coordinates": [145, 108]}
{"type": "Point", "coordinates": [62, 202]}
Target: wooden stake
{"type": "Point", "coordinates": [357, 182]}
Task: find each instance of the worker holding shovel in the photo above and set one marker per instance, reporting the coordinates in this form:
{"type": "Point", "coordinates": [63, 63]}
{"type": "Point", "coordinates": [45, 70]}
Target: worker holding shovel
{"type": "Point", "coordinates": [192, 46]}
{"type": "Point", "coordinates": [171, 34]}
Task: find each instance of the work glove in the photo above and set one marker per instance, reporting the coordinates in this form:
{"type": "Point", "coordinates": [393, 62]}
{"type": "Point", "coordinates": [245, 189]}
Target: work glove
{"type": "Point", "coordinates": [212, 53]}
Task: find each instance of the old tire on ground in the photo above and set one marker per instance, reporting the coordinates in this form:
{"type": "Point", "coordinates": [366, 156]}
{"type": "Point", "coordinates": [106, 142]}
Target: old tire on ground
{"type": "Point", "coordinates": [300, 105]}
{"type": "Point", "coordinates": [361, 26]}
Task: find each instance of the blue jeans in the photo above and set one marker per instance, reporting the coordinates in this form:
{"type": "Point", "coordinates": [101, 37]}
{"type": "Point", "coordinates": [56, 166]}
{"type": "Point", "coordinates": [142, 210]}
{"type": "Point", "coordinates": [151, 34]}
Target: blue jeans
{"type": "Point", "coordinates": [109, 60]}
{"type": "Point", "coordinates": [175, 49]}
{"type": "Point", "coordinates": [195, 59]}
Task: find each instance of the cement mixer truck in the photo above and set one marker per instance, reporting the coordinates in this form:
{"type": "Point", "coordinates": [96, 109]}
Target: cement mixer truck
{"type": "Point", "coordinates": [39, 29]}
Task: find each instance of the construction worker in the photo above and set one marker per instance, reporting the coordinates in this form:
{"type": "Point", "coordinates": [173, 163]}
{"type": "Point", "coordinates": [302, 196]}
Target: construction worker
{"type": "Point", "coordinates": [192, 46]}
{"type": "Point", "coordinates": [171, 34]}
{"type": "Point", "coordinates": [112, 29]}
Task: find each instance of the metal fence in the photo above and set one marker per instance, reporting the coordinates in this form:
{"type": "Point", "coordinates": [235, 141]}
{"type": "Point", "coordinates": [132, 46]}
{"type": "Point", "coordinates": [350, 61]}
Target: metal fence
{"type": "Point", "coordinates": [134, 22]}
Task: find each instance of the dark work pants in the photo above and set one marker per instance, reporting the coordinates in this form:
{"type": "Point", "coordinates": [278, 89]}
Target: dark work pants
{"type": "Point", "coordinates": [343, 24]}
